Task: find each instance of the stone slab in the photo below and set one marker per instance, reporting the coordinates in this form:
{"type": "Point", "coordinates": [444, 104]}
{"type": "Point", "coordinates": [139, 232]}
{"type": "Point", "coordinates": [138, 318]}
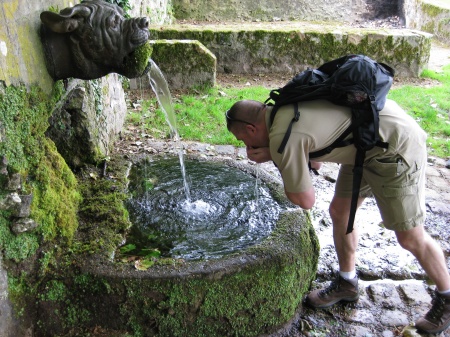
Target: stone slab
{"type": "Point", "coordinates": [291, 47]}
{"type": "Point", "coordinates": [385, 295]}
{"type": "Point", "coordinates": [415, 293]}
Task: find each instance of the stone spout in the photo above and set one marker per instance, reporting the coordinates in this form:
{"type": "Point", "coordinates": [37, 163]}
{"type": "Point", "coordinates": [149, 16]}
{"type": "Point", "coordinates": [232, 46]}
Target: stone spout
{"type": "Point", "coordinates": [92, 39]}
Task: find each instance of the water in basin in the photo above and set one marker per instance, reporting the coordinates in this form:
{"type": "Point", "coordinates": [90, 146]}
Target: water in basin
{"type": "Point", "coordinates": [225, 213]}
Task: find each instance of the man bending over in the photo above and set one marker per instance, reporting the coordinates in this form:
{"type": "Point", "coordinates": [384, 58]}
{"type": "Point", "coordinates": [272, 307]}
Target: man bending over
{"type": "Point", "coordinates": [394, 176]}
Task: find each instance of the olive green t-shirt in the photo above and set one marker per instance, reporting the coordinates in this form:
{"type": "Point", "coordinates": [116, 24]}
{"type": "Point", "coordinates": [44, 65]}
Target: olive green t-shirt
{"type": "Point", "coordinates": [320, 123]}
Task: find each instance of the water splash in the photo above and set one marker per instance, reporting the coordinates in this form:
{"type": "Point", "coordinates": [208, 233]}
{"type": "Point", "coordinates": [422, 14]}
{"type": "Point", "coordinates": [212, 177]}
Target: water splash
{"type": "Point", "coordinates": [161, 89]}
{"type": "Point", "coordinates": [222, 218]}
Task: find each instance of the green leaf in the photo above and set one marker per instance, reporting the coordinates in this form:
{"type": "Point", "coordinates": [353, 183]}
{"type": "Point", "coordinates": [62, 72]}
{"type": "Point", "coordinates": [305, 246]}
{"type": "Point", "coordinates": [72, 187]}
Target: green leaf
{"type": "Point", "coordinates": [143, 264]}
{"type": "Point", "coordinates": [127, 248]}
{"type": "Point", "coordinates": [151, 253]}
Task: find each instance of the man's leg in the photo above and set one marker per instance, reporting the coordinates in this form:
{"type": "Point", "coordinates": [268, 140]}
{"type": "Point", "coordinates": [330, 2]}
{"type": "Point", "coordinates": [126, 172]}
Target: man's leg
{"type": "Point", "coordinates": [341, 289]}
{"type": "Point", "coordinates": [345, 244]}
{"type": "Point", "coordinates": [431, 258]}
{"type": "Point", "coordinates": [429, 254]}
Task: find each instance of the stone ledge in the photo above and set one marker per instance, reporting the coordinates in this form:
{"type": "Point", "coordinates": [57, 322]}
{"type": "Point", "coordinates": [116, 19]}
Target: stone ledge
{"type": "Point", "coordinates": [290, 47]}
{"type": "Point", "coordinates": [432, 16]}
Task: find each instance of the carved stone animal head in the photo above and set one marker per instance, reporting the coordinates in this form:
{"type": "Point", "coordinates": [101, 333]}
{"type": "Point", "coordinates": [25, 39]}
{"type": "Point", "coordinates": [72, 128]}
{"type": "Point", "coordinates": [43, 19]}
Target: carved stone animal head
{"type": "Point", "coordinates": [90, 40]}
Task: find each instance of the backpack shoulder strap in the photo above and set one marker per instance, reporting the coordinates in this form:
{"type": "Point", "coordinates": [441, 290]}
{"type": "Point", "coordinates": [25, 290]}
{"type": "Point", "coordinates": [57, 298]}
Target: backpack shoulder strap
{"type": "Point", "coordinates": [289, 129]}
{"type": "Point", "coordinates": [357, 176]}
{"type": "Point", "coordinates": [339, 142]}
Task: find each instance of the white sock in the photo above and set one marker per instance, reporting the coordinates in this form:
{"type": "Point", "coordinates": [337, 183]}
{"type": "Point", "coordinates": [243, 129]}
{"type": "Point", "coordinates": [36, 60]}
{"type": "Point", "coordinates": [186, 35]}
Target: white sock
{"type": "Point", "coordinates": [348, 275]}
{"type": "Point", "coordinates": [445, 292]}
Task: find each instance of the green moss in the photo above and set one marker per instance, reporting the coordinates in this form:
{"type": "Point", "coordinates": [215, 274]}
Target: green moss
{"type": "Point", "coordinates": [250, 302]}
{"type": "Point", "coordinates": [24, 113]}
{"type": "Point", "coordinates": [55, 197]}
{"type": "Point", "coordinates": [431, 10]}
{"type": "Point", "coordinates": [54, 291]}
{"type": "Point", "coordinates": [16, 247]}
{"type": "Point", "coordinates": [20, 289]}
{"type": "Point", "coordinates": [103, 216]}
{"type": "Point", "coordinates": [178, 54]}
{"type": "Point", "coordinates": [137, 63]}
{"type": "Point", "coordinates": [44, 173]}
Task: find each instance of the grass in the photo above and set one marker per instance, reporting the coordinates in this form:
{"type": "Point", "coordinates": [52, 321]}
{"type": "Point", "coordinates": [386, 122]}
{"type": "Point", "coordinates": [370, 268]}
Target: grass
{"type": "Point", "coordinates": [431, 109]}
{"type": "Point", "coordinates": [200, 116]}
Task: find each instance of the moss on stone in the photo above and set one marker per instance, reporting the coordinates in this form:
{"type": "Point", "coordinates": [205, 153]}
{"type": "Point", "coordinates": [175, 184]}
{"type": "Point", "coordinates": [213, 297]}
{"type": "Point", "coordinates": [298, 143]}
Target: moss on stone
{"type": "Point", "coordinates": [179, 54]}
{"type": "Point", "coordinates": [66, 292]}
{"type": "Point", "coordinates": [259, 48]}
{"type": "Point", "coordinates": [137, 63]}
{"type": "Point", "coordinates": [44, 173]}
{"type": "Point", "coordinates": [254, 300]}
{"type": "Point", "coordinates": [24, 113]}
{"type": "Point", "coordinates": [16, 248]}
{"type": "Point", "coordinates": [431, 10]}
{"type": "Point", "coordinates": [103, 216]}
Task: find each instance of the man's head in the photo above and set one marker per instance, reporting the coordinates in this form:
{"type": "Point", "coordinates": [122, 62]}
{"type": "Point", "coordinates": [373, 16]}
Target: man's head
{"type": "Point", "coordinates": [246, 121]}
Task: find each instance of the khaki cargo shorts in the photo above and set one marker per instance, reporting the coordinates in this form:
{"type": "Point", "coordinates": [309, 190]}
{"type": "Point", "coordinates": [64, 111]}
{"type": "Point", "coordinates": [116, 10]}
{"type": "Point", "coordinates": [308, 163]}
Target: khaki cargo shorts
{"type": "Point", "coordinates": [398, 188]}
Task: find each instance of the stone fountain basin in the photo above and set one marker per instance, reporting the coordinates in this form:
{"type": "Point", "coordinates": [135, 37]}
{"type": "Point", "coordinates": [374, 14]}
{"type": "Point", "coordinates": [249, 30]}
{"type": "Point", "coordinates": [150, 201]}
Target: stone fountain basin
{"type": "Point", "coordinates": [254, 292]}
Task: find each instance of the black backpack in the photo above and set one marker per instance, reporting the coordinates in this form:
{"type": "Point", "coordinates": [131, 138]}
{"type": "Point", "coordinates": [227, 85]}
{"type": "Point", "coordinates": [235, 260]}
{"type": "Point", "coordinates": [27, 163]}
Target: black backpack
{"type": "Point", "coordinates": [355, 81]}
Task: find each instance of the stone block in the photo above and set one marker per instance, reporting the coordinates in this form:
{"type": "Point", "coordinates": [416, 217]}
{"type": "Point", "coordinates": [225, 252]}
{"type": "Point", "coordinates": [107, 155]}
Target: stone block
{"type": "Point", "coordinates": [394, 318]}
{"type": "Point", "coordinates": [415, 293]}
{"type": "Point", "coordinates": [88, 119]}
{"type": "Point", "coordinates": [184, 64]}
{"type": "Point", "coordinates": [385, 295]}
{"type": "Point", "coordinates": [291, 47]}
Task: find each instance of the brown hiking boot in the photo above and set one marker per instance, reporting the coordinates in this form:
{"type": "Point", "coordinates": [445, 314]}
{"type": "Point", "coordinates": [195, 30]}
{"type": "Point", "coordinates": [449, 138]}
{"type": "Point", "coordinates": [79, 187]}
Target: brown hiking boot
{"type": "Point", "coordinates": [438, 318]}
{"type": "Point", "coordinates": [339, 290]}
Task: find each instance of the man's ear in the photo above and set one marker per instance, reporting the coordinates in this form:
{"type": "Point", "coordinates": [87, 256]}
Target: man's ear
{"type": "Point", "coordinates": [250, 128]}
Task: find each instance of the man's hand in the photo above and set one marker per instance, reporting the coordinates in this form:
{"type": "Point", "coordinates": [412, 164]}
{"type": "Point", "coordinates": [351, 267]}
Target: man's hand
{"type": "Point", "coordinates": [259, 155]}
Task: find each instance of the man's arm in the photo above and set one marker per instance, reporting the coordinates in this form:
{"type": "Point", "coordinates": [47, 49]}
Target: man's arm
{"type": "Point", "coordinates": [305, 199]}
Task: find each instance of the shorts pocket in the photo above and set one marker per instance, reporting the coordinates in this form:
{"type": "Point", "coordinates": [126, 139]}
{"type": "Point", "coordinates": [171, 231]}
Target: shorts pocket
{"type": "Point", "coordinates": [399, 191]}
{"type": "Point", "coordinates": [415, 175]}
{"type": "Point", "coordinates": [387, 167]}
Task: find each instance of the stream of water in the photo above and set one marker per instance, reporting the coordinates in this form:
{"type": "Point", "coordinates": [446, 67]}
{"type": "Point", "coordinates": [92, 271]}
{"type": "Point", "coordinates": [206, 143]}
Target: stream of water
{"type": "Point", "coordinates": [162, 92]}
{"type": "Point", "coordinates": [226, 210]}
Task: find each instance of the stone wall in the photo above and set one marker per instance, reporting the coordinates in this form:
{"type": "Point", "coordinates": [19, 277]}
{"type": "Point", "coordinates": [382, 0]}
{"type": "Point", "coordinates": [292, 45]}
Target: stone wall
{"type": "Point", "coordinates": [21, 53]}
{"type": "Point", "coordinates": [432, 16]}
{"type": "Point", "coordinates": [288, 48]}
{"type": "Point", "coordinates": [158, 11]}
{"type": "Point", "coordinates": [183, 63]}
{"type": "Point", "coordinates": [274, 10]}
{"type": "Point", "coordinates": [100, 112]}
